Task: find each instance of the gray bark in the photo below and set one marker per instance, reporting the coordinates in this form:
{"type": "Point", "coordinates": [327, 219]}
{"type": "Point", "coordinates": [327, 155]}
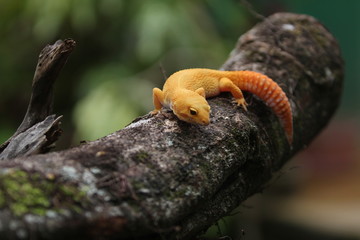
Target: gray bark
{"type": "Point", "coordinates": [163, 178]}
{"type": "Point", "coordinates": [38, 130]}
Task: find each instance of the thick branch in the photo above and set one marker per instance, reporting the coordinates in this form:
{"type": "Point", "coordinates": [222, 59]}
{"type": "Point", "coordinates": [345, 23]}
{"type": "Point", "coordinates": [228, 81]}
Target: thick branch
{"type": "Point", "coordinates": [161, 176]}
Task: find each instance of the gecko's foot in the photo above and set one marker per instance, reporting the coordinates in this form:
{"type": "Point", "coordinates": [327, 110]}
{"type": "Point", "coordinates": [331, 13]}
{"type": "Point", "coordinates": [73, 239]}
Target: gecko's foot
{"type": "Point", "coordinates": [241, 102]}
{"type": "Point", "coordinates": [155, 111]}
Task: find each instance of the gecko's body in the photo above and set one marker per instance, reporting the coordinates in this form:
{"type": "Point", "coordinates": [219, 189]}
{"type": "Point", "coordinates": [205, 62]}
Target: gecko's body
{"type": "Point", "coordinates": [185, 91]}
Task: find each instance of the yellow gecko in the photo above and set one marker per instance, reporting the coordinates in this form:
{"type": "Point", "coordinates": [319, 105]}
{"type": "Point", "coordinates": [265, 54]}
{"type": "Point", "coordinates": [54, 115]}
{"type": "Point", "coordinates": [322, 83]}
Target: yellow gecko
{"type": "Point", "coordinates": [185, 92]}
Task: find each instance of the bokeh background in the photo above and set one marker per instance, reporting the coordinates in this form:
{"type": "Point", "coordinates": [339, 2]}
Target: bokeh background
{"type": "Point", "coordinates": [124, 49]}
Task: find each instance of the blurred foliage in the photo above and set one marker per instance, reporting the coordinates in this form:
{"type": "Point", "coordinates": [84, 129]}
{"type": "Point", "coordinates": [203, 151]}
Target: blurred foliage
{"type": "Point", "coordinates": [124, 46]}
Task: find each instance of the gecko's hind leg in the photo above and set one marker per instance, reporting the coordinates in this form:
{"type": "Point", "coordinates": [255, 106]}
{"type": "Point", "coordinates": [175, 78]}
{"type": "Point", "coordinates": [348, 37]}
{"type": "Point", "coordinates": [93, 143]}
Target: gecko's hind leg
{"type": "Point", "coordinates": [226, 85]}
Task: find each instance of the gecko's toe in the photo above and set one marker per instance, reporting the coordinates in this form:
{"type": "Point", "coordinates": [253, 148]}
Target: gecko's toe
{"type": "Point", "coordinates": [241, 102]}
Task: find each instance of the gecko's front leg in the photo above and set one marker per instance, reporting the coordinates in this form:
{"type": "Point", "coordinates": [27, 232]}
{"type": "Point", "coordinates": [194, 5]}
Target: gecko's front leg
{"type": "Point", "coordinates": [158, 99]}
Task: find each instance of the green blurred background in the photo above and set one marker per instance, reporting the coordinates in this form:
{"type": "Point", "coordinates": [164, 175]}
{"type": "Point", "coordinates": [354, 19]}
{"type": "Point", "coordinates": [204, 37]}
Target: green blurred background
{"type": "Point", "coordinates": [123, 47]}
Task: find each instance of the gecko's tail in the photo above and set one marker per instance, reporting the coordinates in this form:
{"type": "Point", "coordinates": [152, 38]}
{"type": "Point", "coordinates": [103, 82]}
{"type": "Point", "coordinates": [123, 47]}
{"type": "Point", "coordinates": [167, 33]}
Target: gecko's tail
{"type": "Point", "coordinates": [271, 93]}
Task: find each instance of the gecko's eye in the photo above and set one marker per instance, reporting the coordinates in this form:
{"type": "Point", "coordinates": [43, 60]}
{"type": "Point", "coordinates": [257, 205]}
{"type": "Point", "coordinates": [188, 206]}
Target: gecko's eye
{"type": "Point", "coordinates": [193, 111]}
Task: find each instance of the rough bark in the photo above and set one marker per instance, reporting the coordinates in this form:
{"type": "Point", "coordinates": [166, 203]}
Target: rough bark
{"type": "Point", "coordinates": [160, 177]}
{"type": "Point", "coordinates": [32, 139]}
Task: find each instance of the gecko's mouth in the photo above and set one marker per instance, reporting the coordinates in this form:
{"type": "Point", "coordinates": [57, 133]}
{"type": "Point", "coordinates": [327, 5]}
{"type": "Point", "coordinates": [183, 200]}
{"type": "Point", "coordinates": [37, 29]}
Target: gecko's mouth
{"type": "Point", "coordinates": [197, 121]}
{"type": "Point", "coordinates": [192, 120]}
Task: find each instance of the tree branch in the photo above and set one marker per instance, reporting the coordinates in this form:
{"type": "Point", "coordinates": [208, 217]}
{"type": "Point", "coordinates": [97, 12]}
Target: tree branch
{"type": "Point", "coordinates": [163, 177]}
{"type": "Point", "coordinates": [51, 60]}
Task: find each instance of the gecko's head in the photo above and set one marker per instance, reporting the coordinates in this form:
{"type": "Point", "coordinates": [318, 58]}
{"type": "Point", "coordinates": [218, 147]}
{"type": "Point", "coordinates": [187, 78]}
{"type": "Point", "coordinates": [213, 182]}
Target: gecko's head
{"type": "Point", "coordinates": [192, 109]}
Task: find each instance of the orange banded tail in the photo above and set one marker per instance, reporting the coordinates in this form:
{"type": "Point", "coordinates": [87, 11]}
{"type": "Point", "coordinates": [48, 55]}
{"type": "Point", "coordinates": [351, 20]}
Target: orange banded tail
{"type": "Point", "coordinates": [269, 92]}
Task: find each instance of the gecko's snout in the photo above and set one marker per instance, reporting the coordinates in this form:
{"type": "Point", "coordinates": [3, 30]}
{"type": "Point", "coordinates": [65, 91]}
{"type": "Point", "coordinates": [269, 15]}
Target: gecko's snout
{"type": "Point", "coordinates": [205, 122]}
